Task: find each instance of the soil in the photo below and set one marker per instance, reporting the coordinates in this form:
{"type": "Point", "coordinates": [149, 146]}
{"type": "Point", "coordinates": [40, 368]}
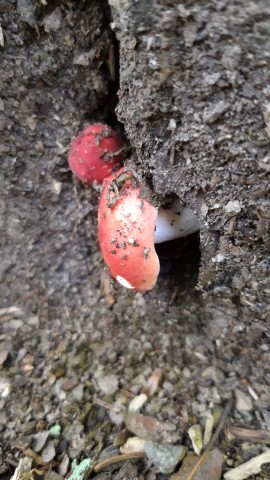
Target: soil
{"type": "Point", "coordinates": [187, 85]}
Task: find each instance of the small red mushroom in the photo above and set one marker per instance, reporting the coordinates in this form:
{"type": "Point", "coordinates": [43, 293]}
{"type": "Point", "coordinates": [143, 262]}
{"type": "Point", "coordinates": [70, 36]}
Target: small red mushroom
{"type": "Point", "coordinates": [95, 153]}
{"type": "Point", "coordinates": [126, 223]}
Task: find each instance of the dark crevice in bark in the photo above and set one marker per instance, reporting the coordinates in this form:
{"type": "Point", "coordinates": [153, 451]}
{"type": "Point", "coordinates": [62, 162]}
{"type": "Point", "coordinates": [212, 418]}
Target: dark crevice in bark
{"type": "Point", "coordinates": [180, 261]}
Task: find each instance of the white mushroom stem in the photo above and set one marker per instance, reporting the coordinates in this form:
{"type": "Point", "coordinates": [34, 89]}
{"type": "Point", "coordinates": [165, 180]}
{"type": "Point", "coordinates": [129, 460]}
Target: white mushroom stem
{"type": "Point", "coordinates": [175, 222]}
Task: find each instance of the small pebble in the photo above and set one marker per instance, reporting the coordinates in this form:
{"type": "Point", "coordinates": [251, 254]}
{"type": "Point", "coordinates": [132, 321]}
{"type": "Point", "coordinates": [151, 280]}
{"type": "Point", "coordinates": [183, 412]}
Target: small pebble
{"type": "Point", "coordinates": [242, 401]}
{"type": "Point", "coordinates": [108, 384]}
{"type": "Point", "coordinates": [48, 452]}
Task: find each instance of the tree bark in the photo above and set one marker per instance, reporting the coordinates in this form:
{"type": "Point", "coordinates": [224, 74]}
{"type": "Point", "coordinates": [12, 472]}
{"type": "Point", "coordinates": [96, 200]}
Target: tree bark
{"type": "Point", "coordinates": [194, 99]}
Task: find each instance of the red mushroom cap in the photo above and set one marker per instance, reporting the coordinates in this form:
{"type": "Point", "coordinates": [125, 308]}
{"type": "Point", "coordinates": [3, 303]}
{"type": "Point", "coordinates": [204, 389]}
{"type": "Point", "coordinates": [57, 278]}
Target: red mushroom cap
{"type": "Point", "coordinates": [126, 224]}
{"type": "Point", "coordinates": [95, 153]}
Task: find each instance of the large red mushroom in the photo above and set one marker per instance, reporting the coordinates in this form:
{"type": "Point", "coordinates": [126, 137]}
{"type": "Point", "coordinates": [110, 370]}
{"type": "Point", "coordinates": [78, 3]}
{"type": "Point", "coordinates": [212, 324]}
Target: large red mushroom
{"type": "Point", "coordinates": [126, 223]}
{"type": "Point", "coordinates": [129, 226]}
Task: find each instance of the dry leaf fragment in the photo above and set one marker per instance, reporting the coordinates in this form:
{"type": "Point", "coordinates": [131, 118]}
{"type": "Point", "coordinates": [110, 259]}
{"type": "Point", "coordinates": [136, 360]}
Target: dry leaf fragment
{"type": "Point", "coordinates": [56, 187]}
{"type": "Point", "coordinates": [13, 310]}
{"type": "Point", "coordinates": [252, 467]}
{"type": "Point", "coordinates": [152, 383]}
{"type": "Point", "coordinates": [147, 427]}
{"type": "Point", "coordinates": [31, 122]}
{"type": "Point", "coordinates": [248, 434]}
{"type": "Point", "coordinates": [190, 34]}
{"type": "Point", "coordinates": [3, 148]}
{"type": "Point", "coordinates": [3, 357]}
{"type": "Point", "coordinates": [133, 444]}
{"type": "Point", "coordinates": [137, 402]}
{"type": "Point", "coordinates": [195, 435]}
{"type": "Point", "coordinates": [24, 466]}
{"type": "Point", "coordinates": [121, 437]}
{"type": "Point", "coordinates": [37, 458]}
{"type": "Point", "coordinates": [209, 425]}
{"type": "Point", "coordinates": [105, 280]}
{"type": "Point", "coordinates": [219, 109]}
{"type": "Point", "coordinates": [266, 114]}
{"type": "Point", "coordinates": [210, 469]}
{"type": "Point", "coordinates": [2, 41]}
{"type": "Point", "coordinates": [115, 459]}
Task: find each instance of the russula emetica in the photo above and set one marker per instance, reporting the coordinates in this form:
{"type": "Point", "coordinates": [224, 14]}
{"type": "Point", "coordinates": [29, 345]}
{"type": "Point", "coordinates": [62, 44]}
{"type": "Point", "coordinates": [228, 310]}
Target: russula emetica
{"type": "Point", "coordinates": [95, 153]}
{"type": "Point", "coordinates": [129, 225]}
{"type": "Point", "coordinates": [126, 224]}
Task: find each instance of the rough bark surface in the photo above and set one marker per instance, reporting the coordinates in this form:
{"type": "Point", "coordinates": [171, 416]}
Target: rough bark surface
{"type": "Point", "coordinates": [194, 100]}
{"type": "Point", "coordinates": [194, 105]}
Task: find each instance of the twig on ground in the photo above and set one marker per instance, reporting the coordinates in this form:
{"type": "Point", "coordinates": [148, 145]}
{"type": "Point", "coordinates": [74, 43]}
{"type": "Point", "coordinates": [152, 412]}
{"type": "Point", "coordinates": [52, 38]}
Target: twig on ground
{"type": "Point", "coordinates": [247, 434]}
{"type": "Point", "coordinates": [117, 458]}
{"type": "Point", "coordinates": [214, 438]}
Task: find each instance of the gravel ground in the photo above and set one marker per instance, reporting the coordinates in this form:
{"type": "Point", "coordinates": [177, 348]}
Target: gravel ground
{"type": "Point", "coordinates": [75, 348]}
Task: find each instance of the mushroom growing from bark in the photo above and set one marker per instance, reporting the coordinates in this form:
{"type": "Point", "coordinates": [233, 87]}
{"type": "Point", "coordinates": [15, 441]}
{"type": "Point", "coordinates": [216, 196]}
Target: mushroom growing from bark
{"type": "Point", "coordinates": [95, 153]}
{"type": "Point", "coordinates": [129, 226]}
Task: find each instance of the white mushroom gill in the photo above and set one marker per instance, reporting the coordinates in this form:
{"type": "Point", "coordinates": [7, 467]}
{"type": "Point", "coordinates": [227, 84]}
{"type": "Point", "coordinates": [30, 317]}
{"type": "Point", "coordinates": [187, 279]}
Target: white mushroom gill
{"type": "Point", "coordinates": [174, 222]}
{"type": "Point", "coordinates": [123, 282]}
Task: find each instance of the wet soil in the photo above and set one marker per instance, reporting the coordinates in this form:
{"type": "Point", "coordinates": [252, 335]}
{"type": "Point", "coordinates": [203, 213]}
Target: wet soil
{"type": "Point", "coordinates": [188, 88]}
